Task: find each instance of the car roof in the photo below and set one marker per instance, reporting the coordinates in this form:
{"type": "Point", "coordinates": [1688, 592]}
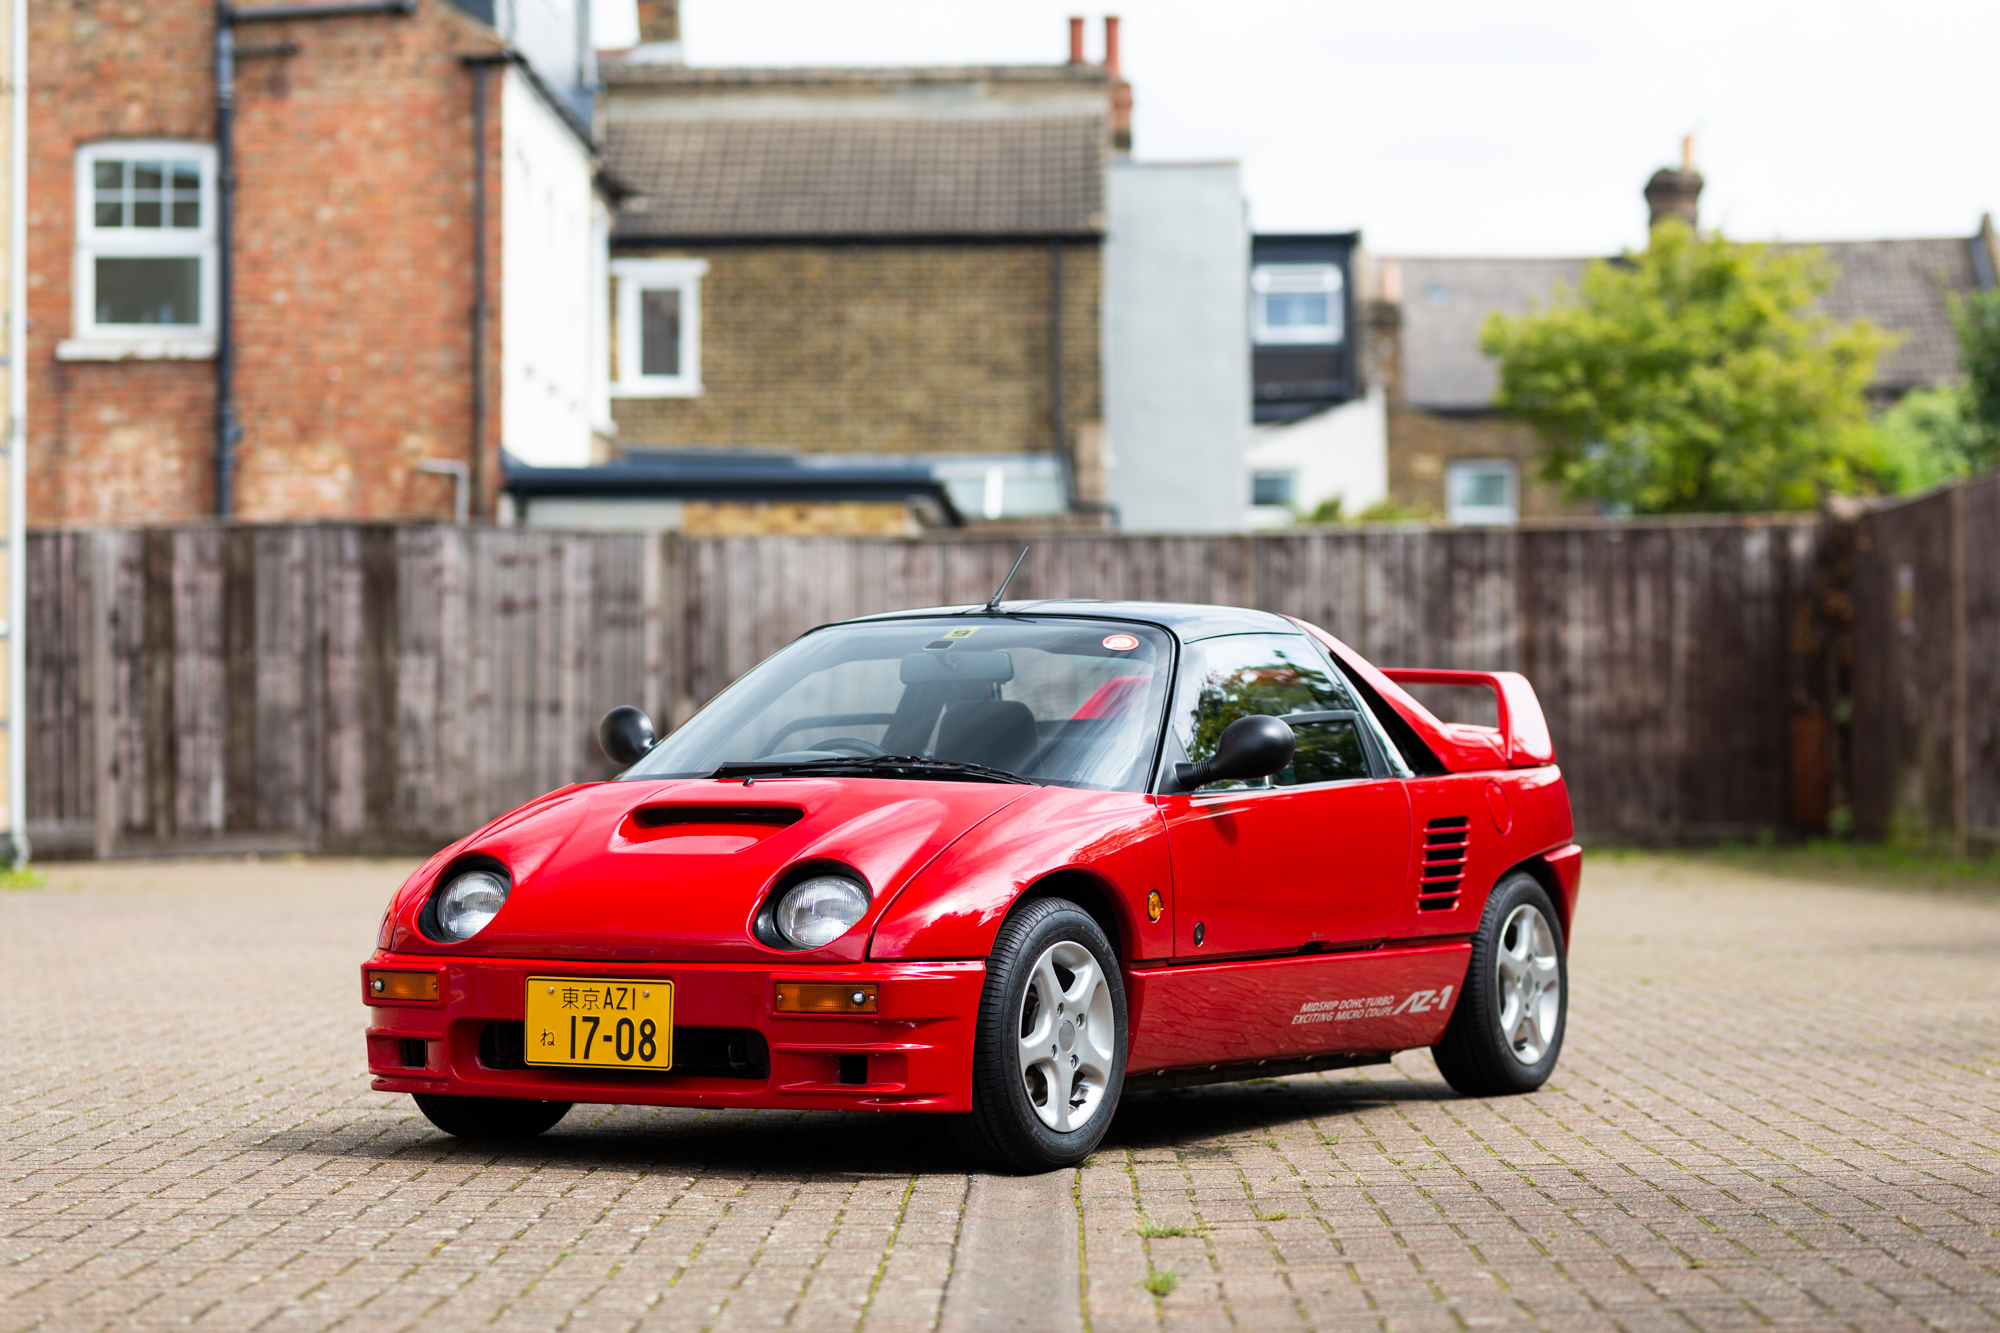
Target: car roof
{"type": "Point", "coordinates": [1188, 620]}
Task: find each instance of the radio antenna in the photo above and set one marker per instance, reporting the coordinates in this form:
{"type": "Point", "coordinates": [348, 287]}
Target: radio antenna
{"type": "Point", "coordinates": [993, 602]}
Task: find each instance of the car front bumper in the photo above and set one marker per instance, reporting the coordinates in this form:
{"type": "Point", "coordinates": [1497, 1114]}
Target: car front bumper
{"type": "Point", "coordinates": [913, 1054]}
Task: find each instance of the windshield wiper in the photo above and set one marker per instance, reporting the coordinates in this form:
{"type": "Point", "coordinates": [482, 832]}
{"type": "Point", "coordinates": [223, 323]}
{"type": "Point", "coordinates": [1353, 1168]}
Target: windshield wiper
{"type": "Point", "coordinates": [747, 768]}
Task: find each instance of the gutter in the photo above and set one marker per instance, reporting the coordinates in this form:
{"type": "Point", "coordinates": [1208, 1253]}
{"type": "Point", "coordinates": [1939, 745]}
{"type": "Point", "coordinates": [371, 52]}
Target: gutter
{"type": "Point", "coordinates": [738, 482]}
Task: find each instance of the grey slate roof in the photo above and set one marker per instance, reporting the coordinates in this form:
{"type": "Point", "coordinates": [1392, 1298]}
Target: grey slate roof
{"type": "Point", "coordinates": [1900, 285]}
{"type": "Point", "coordinates": [1445, 301]}
{"type": "Point", "coordinates": [803, 178]}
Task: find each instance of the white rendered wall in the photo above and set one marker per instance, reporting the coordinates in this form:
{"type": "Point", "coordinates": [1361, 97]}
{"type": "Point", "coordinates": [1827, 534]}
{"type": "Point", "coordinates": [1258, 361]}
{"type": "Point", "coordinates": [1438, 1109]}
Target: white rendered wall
{"type": "Point", "coordinates": [547, 381]}
{"type": "Point", "coordinates": [1339, 454]}
{"type": "Point", "coordinates": [1176, 347]}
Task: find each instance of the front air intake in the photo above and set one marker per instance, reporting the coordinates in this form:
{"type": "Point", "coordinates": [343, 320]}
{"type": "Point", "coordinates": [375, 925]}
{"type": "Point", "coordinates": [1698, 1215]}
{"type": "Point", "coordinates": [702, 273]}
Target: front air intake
{"type": "Point", "coordinates": [1446, 844]}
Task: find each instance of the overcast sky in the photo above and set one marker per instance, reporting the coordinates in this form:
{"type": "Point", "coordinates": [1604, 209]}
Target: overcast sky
{"type": "Point", "coordinates": [1475, 127]}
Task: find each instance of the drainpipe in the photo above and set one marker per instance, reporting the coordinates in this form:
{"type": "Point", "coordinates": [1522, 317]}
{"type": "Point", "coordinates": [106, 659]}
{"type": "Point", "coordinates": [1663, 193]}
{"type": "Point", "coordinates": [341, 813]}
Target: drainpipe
{"type": "Point", "coordinates": [226, 431]}
{"type": "Point", "coordinates": [17, 439]}
{"type": "Point", "coordinates": [482, 310]}
{"type": "Point", "coordinates": [1058, 422]}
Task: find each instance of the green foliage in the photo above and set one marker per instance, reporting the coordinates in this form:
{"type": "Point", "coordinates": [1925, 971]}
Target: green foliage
{"type": "Point", "coordinates": [1382, 511]}
{"type": "Point", "coordinates": [1151, 1230]}
{"type": "Point", "coordinates": [1929, 436]}
{"type": "Point", "coordinates": [1163, 1282]}
{"type": "Point", "coordinates": [1933, 435]}
{"type": "Point", "coordinates": [1977, 320]}
{"type": "Point", "coordinates": [1695, 377]}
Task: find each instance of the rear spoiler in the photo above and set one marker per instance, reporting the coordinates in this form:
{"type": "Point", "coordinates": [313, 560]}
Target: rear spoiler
{"type": "Point", "coordinates": [1521, 740]}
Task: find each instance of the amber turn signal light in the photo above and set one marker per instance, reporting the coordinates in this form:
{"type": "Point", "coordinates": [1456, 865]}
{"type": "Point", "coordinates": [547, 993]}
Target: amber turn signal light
{"type": "Point", "coordinates": [402, 985]}
{"type": "Point", "coordinates": [1154, 906]}
{"type": "Point", "coordinates": [825, 997]}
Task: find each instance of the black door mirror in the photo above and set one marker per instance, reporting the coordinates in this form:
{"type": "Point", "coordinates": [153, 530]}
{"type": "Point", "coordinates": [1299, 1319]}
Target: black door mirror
{"type": "Point", "coordinates": [626, 733]}
{"type": "Point", "coordinates": [1250, 747]}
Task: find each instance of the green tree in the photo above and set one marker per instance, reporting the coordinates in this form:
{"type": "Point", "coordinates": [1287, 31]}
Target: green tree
{"type": "Point", "coordinates": [1976, 318]}
{"type": "Point", "coordinates": [1696, 376]}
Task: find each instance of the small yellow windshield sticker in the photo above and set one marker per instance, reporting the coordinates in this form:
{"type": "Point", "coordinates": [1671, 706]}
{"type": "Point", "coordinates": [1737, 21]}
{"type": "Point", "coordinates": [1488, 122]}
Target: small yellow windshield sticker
{"type": "Point", "coordinates": [966, 633]}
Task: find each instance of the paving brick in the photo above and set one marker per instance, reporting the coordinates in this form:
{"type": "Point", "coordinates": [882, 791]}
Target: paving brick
{"type": "Point", "coordinates": [1740, 1135]}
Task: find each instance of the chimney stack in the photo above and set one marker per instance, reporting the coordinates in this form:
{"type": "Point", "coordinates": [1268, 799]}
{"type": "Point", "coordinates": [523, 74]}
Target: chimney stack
{"type": "Point", "coordinates": [659, 21]}
{"type": "Point", "coordinates": [1121, 91]}
{"type": "Point", "coordinates": [1076, 41]}
{"type": "Point", "coordinates": [1675, 194]}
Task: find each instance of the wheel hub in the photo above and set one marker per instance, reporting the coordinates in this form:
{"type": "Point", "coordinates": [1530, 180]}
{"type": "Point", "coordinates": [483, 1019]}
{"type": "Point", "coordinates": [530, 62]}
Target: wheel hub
{"type": "Point", "coordinates": [1064, 1048]}
{"type": "Point", "coordinates": [1529, 979]}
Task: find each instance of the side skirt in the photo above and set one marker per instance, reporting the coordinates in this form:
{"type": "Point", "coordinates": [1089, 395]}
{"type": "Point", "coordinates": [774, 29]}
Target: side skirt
{"type": "Point", "coordinates": [1237, 1073]}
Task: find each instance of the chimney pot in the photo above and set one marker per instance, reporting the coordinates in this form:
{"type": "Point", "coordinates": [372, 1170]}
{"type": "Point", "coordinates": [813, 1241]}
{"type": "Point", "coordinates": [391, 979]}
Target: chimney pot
{"type": "Point", "coordinates": [1111, 43]}
{"type": "Point", "coordinates": [659, 21]}
{"type": "Point", "coordinates": [1076, 41]}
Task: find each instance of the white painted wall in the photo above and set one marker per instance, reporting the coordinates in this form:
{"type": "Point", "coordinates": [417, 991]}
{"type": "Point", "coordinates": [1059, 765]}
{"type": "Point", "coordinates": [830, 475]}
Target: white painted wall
{"type": "Point", "coordinates": [1176, 347]}
{"type": "Point", "coordinates": [548, 257]}
{"type": "Point", "coordinates": [1341, 453]}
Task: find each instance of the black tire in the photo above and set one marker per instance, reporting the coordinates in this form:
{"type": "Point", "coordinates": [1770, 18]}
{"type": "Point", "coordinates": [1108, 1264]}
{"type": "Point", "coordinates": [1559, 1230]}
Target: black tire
{"type": "Point", "coordinates": [490, 1118]}
{"type": "Point", "coordinates": [1476, 1056]}
{"type": "Point", "coordinates": [1006, 1128]}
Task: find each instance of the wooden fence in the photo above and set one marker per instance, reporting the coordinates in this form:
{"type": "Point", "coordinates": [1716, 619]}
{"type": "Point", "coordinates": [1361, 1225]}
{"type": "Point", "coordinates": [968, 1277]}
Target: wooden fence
{"type": "Point", "coordinates": [1926, 673]}
{"type": "Point", "coordinates": [378, 687]}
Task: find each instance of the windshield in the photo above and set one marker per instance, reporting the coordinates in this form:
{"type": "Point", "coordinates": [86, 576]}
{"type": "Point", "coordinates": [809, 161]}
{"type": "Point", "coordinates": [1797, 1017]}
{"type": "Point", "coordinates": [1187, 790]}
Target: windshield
{"type": "Point", "coordinates": [1076, 703]}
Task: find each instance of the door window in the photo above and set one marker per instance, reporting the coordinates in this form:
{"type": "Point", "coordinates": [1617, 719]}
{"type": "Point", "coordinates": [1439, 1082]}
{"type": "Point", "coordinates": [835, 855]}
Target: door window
{"type": "Point", "coordinates": [1281, 675]}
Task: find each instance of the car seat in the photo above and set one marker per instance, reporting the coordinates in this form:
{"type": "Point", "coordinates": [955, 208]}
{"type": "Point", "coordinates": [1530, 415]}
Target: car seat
{"type": "Point", "coordinates": [999, 733]}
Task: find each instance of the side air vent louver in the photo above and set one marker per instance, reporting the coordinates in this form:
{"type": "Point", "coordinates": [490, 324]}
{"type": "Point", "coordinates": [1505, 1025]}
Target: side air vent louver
{"type": "Point", "coordinates": [1446, 842]}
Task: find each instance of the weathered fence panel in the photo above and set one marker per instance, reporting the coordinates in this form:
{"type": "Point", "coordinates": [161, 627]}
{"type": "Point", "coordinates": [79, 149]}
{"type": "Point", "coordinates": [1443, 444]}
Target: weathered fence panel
{"type": "Point", "coordinates": [373, 687]}
{"type": "Point", "coordinates": [1927, 668]}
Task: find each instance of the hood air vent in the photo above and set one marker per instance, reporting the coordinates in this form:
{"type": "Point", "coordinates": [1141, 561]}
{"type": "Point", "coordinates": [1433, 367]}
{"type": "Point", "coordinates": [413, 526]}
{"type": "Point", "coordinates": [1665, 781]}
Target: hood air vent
{"type": "Point", "coordinates": [1446, 842]}
{"type": "Point", "coordinates": [760, 816]}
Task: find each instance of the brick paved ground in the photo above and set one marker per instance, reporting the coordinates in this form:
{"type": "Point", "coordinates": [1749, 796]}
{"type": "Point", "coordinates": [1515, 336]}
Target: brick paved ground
{"type": "Point", "coordinates": [1778, 1106]}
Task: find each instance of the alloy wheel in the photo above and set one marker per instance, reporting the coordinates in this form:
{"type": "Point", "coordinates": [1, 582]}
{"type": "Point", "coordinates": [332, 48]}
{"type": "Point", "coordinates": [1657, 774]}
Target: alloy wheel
{"type": "Point", "coordinates": [1066, 1036]}
{"type": "Point", "coordinates": [1530, 984]}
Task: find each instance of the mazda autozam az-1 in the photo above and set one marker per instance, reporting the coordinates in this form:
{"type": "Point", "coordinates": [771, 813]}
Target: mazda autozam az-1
{"type": "Point", "coordinates": [1000, 863]}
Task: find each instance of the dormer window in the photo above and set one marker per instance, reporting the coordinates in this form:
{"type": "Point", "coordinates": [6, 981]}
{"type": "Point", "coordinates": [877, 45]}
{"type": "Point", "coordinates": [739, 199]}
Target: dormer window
{"type": "Point", "coordinates": [1297, 304]}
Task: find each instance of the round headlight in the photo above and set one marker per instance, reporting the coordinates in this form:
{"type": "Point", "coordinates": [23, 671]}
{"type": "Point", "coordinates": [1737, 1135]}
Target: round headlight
{"type": "Point", "coordinates": [472, 899]}
{"type": "Point", "coordinates": [820, 910]}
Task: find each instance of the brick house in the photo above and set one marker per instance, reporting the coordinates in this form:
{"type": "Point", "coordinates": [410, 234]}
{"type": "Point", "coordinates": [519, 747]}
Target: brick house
{"type": "Point", "coordinates": [893, 266]}
{"type": "Point", "coordinates": [1452, 455]}
{"type": "Point", "coordinates": [415, 232]}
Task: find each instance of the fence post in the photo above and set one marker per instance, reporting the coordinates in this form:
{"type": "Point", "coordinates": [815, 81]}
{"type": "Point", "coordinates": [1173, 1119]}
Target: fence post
{"type": "Point", "coordinates": [1961, 722]}
{"type": "Point", "coordinates": [103, 686]}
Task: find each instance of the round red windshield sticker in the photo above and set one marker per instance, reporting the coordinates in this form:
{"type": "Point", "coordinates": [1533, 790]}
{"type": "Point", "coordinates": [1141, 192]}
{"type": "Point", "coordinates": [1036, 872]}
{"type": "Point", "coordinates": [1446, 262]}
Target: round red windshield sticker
{"type": "Point", "coordinates": [1120, 643]}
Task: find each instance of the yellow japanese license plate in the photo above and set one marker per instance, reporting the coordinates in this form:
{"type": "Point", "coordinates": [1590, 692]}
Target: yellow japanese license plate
{"type": "Point", "coordinates": [600, 1023]}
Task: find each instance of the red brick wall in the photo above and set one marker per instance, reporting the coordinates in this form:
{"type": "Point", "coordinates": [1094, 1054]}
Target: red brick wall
{"type": "Point", "coordinates": [353, 264]}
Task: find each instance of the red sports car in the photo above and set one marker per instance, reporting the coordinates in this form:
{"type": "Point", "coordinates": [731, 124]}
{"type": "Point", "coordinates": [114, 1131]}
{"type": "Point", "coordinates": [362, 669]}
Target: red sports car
{"type": "Point", "coordinates": [1000, 863]}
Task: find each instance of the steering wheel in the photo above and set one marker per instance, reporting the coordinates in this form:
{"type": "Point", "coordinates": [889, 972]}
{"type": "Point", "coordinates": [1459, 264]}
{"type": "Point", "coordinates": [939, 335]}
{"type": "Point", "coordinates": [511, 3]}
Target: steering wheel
{"type": "Point", "coordinates": [853, 745]}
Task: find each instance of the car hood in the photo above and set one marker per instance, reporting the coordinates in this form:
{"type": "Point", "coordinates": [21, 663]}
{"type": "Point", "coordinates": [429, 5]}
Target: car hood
{"type": "Point", "coordinates": [676, 870]}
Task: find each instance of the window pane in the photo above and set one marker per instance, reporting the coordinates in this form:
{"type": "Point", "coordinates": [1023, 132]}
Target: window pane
{"type": "Point", "coordinates": [1271, 488]}
{"type": "Point", "coordinates": [1295, 310]}
{"type": "Point", "coordinates": [108, 174]}
{"type": "Point", "coordinates": [145, 212]}
{"type": "Point", "coordinates": [110, 213]}
{"type": "Point", "coordinates": [1240, 675]}
{"type": "Point", "coordinates": [148, 175]}
{"type": "Point", "coordinates": [186, 195]}
{"type": "Point", "coordinates": [149, 291]}
{"type": "Point", "coordinates": [660, 332]}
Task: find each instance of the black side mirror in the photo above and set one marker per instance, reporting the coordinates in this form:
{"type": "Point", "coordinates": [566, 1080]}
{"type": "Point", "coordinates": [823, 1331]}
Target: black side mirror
{"type": "Point", "coordinates": [1250, 747]}
{"type": "Point", "coordinates": [626, 733]}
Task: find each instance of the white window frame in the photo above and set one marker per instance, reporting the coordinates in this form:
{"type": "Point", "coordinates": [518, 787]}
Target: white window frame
{"type": "Point", "coordinates": [633, 276]}
{"type": "Point", "coordinates": [91, 340]}
{"type": "Point", "coordinates": [1307, 279]}
{"type": "Point", "coordinates": [1472, 516]}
